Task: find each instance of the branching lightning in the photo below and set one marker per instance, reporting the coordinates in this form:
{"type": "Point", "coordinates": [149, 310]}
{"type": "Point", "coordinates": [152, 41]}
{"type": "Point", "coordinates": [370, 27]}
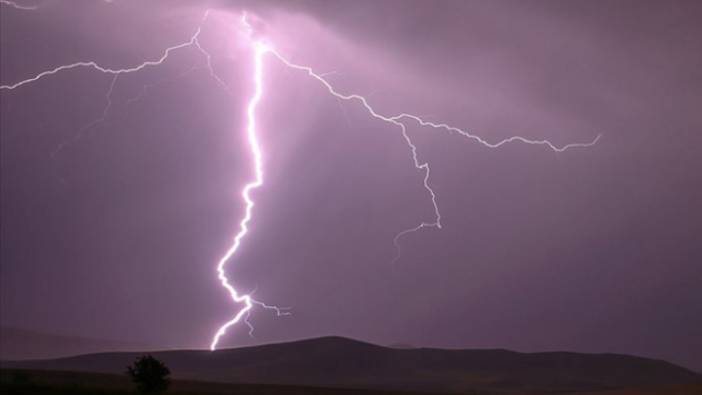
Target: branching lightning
{"type": "Point", "coordinates": [194, 41]}
{"type": "Point", "coordinates": [101, 119]}
{"type": "Point", "coordinates": [105, 70]}
{"type": "Point", "coordinates": [421, 166]}
{"type": "Point", "coordinates": [260, 49]}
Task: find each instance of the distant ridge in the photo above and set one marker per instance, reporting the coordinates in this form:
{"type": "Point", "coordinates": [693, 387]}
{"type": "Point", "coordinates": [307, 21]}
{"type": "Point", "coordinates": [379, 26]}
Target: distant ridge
{"type": "Point", "coordinates": [342, 362]}
{"type": "Point", "coordinates": [18, 344]}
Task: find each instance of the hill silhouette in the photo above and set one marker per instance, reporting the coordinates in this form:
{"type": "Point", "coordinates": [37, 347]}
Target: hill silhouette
{"type": "Point", "coordinates": [342, 362]}
{"type": "Point", "coordinates": [19, 343]}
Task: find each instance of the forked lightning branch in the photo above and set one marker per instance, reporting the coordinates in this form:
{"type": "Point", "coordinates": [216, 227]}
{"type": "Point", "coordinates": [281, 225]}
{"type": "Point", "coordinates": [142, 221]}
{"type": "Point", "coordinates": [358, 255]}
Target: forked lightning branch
{"type": "Point", "coordinates": [260, 50]}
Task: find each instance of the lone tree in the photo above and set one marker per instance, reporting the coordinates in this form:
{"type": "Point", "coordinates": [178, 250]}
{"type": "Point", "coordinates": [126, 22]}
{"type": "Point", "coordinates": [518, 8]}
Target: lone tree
{"type": "Point", "coordinates": [149, 374]}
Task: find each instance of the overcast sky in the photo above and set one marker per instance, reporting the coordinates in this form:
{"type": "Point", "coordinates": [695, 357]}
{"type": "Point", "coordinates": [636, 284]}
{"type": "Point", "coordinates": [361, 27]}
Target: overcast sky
{"type": "Point", "coordinates": [114, 230]}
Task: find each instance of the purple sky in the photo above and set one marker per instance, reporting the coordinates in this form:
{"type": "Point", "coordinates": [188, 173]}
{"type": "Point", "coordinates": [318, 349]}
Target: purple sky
{"type": "Point", "coordinates": [597, 250]}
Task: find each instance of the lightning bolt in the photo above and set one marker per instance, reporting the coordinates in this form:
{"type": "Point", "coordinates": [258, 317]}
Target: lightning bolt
{"type": "Point", "coordinates": [261, 49]}
{"type": "Point", "coordinates": [106, 70]}
{"type": "Point", "coordinates": [18, 6]}
{"type": "Point", "coordinates": [194, 42]}
{"type": "Point", "coordinates": [419, 165]}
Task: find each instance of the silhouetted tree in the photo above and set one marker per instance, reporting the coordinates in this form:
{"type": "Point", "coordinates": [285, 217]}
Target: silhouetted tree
{"type": "Point", "coordinates": [149, 374]}
{"type": "Point", "coordinates": [21, 378]}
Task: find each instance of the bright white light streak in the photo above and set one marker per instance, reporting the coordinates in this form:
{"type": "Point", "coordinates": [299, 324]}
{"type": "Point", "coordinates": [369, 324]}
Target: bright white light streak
{"type": "Point", "coordinates": [18, 6]}
{"type": "Point", "coordinates": [255, 146]}
{"type": "Point", "coordinates": [260, 48]}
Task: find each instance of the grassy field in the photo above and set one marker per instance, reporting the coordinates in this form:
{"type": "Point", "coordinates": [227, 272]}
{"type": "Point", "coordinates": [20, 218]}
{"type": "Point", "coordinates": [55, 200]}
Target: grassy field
{"type": "Point", "coordinates": [36, 382]}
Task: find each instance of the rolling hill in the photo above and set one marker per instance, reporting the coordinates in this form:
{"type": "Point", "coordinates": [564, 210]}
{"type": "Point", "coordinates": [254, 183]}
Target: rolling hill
{"type": "Point", "coordinates": [18, 343]}
{"type": "Point", "coordinates": [341, 362]}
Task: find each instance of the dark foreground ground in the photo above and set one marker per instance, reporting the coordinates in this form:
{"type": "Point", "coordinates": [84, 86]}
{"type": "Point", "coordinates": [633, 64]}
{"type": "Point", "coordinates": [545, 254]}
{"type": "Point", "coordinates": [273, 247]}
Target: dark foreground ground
{"type": "Point", "coordinates": [38, 382]}
{"type": "Point", "coordinates": [336, 362]}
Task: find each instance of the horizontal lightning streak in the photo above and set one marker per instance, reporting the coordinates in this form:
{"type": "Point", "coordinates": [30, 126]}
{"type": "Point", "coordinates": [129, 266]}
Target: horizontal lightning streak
{"type": "Point", "coordinates": [106, 70]}
{"type": "Point", "coordinates": [350, 97]}
{"type": "Point", "coordinates": [18, 6]}
{"type": "Point", "coordinates": [501, 142]}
